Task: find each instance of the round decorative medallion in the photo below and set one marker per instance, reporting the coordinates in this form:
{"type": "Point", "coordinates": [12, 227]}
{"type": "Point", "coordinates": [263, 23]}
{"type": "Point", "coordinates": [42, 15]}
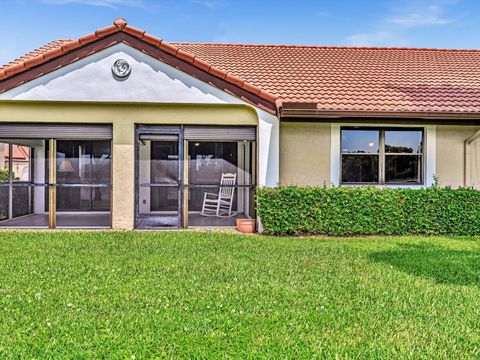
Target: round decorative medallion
{"type": "Point", "coordinates": [121, 68]}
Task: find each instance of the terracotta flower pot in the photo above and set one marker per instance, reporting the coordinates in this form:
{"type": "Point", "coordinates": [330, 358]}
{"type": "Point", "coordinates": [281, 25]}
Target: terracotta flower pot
{"type": "Point", "coordinates": [246, 226]}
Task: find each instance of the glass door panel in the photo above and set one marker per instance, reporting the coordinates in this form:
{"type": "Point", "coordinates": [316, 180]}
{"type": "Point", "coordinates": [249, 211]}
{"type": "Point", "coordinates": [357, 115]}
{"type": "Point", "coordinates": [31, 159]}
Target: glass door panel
{"type": "Point", "coordinates": [158, 182]}
{"type": "Point", "coordinates": [220, 182]}
{"type": "Point", "coordinates": [4, 181]}
{"type": "Point", "coordinates": [83, 174]}
{"type": "Point", "coordinates": [22, 164]}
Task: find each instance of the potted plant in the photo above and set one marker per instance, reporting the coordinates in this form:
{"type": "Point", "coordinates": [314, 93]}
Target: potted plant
{"type": "Point", "coordinates": [246, 226]}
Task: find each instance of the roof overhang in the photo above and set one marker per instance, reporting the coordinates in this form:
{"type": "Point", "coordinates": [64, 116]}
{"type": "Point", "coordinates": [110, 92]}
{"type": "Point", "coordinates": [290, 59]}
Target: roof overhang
{"type": "Point", "coordinates": [310, 112]}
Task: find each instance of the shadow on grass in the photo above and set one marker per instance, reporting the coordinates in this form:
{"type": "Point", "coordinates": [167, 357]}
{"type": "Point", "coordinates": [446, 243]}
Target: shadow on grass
{"type": "Point", "coordinates": [440, 264]}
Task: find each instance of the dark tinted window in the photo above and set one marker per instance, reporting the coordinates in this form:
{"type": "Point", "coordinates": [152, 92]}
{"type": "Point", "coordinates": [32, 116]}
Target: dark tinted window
{"type": "Point", "coordinates": [403, 168]}
{"type": "Point", "coordinates": [360, 168]}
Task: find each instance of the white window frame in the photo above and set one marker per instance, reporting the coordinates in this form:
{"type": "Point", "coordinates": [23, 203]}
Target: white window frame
{"type": "Point", "coordinates": [429, 154]}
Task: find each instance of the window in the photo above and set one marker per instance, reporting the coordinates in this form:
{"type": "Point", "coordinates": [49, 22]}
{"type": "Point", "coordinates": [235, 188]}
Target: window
{"type": "Point", "coordinates": [381, 156]}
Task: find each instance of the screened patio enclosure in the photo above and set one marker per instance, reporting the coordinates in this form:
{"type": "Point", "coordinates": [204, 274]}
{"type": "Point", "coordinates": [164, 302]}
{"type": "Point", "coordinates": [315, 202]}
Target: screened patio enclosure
{"type": "Point", "coordinates": [193, 176]}
{"type": "Point", "coordinates": [55, 176]}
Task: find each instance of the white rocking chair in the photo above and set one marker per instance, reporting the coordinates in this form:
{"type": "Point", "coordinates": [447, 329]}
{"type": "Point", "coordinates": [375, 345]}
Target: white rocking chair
{"type": "Point", "coordinates": [220, 204]}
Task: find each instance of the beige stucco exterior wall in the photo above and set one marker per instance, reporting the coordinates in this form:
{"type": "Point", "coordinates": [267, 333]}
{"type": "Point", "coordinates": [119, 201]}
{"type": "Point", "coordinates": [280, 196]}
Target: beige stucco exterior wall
{"type": "Point", "coordinates": [450, 155]}
{"type": "Point", "coordinates": [123, 117]}
{"type": "Point", "coordinates": [305, 153]}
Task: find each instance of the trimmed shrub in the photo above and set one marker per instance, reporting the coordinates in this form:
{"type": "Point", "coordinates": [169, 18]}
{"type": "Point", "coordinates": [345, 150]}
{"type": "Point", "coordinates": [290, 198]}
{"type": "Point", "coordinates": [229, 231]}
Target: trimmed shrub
{"type": "Point", "coordinates": [339, 211]}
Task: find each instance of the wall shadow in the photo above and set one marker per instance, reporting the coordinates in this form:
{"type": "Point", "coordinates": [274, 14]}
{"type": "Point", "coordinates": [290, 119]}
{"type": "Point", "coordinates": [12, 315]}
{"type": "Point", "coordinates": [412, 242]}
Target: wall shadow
{"type": "Point", "coordinates": [437, 263]}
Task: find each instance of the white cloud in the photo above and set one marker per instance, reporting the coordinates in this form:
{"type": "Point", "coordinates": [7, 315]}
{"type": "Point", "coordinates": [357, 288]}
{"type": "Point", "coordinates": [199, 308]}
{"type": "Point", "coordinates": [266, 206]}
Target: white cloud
{"type": "Point", "coordinates": [367, 39]}
{"type": "Point", "coordinates": [105, 3]}
{"type": "Point", "coordinates": [427, 16]}
{"type": "Point", "coordinates": [209, 4]}
{"type": "Point", "coordinates": [392, 30]}
{"type": "Point", "coordinates": [379, 38]}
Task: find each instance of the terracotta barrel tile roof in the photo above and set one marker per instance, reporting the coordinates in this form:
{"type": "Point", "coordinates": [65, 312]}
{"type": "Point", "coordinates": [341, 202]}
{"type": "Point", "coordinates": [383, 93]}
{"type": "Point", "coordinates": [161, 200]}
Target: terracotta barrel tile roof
{"type": "Point", "coordinates": [355, 79]}
{"type": "Point", "coordinates": [38, 53]}
{"type": "Point", "coordinates": [340, 79]}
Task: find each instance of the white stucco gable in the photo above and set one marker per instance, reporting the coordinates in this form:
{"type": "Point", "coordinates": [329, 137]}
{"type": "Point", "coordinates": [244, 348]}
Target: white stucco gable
{"type": "Point", "coordinates": [91, 79]}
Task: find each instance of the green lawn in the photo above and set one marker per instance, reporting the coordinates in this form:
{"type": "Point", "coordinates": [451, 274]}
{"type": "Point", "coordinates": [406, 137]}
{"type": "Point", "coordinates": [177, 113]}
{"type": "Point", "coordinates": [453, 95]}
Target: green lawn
{"type": "Point", "coordinates": [191, 294]}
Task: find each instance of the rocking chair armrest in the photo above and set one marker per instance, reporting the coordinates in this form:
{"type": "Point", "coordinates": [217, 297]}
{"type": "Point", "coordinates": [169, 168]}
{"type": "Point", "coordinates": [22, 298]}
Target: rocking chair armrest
{"type": "Point", "coordinates": [210, 194]}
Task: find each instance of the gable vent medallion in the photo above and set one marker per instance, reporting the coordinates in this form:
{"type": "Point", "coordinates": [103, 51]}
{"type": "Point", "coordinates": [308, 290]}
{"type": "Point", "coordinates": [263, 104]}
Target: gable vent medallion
{"type": "Point", "coordinates": [121, 68]}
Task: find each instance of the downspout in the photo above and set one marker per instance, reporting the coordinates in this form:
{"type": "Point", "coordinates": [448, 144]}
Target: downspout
{"type": "Point", "coordinates": [468, 170]}
{"type": "Point", "coordinates": [279, 106]}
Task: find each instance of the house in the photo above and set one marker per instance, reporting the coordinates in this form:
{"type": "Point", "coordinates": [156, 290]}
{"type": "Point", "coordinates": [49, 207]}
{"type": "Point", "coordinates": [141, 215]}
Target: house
{"type": "Point", "coordinates": [20, 159]}
{"type": "Point", "coordinates": [125, 130]}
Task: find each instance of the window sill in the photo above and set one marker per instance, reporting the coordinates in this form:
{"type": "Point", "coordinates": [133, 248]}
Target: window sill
{"type": "Point", "coordinates": [391, 186]}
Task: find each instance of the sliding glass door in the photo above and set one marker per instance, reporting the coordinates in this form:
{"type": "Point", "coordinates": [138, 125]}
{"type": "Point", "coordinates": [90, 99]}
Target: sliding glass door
{"type": "Point", "coordinates": [54, 175]}
{"type": "Point", "coordinates": [83, 183]}
{"type": "Point", "coordinates": [22, 185]}
{"type": "Point", "coordinates": [194, 176]}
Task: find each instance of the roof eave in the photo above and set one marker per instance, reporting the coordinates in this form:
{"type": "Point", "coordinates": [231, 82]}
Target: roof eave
{"type": "Point", "coordinates": [311, 114]}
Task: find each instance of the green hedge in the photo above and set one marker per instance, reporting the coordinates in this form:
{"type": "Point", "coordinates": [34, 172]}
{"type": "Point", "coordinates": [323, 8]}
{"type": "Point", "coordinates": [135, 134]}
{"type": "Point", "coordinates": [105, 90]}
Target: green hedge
{"type": "Point", "coordinates": [341, 211]}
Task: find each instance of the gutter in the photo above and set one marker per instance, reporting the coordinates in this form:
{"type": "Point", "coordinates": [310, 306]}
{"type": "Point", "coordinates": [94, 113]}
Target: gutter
{"type": "Point", "coordinates": [296, 111]}
{"type": "Point", "coordinates": [287, 114]}
{"type": "Point", "coordinates": [468, 153]}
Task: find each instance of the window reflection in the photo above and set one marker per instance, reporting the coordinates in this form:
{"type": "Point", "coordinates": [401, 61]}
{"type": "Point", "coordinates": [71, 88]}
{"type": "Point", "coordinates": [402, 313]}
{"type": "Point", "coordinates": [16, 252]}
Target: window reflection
{"type": "Point", "coordinates": [20, 158]}
{"type": "Point", "coordinates": [360, 141]}
{"type": "Point", "coordinates": [409, 142]}
{"type": "Point", "coordinates": [17, 191]}
{"type": "Point", "coordinates": [4, 161]}
{"type": "Point", "coordinates": [4, 178]}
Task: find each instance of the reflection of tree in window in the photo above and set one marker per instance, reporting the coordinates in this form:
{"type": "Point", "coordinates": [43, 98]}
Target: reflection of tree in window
{"type": "Point", "coordinates": [3, 175]}
{"type": "Point", "coordinates": [398, 149]}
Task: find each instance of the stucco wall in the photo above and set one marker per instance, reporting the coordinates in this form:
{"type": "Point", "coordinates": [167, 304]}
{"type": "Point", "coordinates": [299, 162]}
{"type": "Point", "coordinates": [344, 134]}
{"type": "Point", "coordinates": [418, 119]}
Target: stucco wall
{"type": "Point", "coordinates": [304, 154]}
{"type": "Point", "coordinates": [451, 155]}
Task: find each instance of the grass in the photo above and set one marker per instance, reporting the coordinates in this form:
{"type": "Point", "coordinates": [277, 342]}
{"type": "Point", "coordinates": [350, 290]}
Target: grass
{"type": "Point", "coordinates": [211, 295]}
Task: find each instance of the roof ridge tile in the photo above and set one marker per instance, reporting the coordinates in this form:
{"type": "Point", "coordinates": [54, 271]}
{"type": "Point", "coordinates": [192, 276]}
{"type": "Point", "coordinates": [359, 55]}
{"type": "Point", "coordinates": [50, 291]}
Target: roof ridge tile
{"type": "Point", "coordinates": [333, 47]}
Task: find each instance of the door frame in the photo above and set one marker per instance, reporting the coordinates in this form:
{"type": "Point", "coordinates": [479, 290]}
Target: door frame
{"type": "Point", "coordinates": [156, 130]}
{"type": "Point", "coordinates": [183, 168]}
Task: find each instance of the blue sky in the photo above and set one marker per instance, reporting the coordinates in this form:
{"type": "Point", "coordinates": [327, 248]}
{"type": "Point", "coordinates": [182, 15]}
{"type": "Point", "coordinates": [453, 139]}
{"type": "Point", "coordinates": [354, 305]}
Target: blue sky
{"type": "Point", "coordinates": [28, 24]}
